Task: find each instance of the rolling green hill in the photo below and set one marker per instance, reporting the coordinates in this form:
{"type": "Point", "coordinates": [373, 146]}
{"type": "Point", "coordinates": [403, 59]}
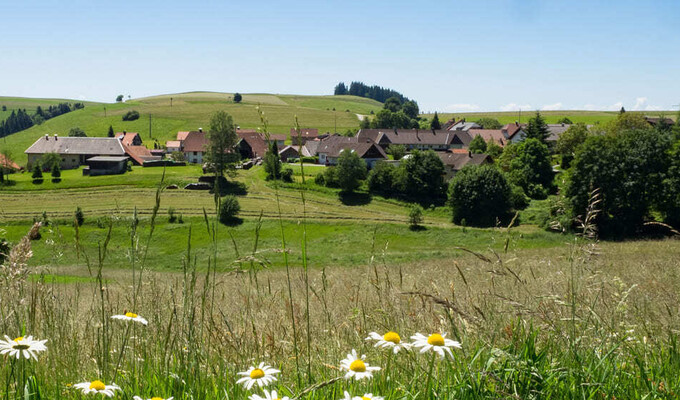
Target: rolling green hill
{"type": "Point", "coordinates": [551, 117]}
{"type": "Point", "coordinates": [190, 111]}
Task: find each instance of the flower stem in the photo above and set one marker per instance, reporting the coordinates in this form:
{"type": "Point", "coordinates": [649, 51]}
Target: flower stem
{"type": "Point", "coordinates": [429, 375]}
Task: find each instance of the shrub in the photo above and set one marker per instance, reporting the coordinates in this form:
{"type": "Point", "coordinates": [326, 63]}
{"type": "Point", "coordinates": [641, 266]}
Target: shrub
{"type": "Point", "coordinates": [518, 199]}
{"type": "Point", "coordinates": [351, 170]}
{"type": "Point", "coordinates": [415, 216]}
{"type": "Point", "coordinates": [287, 175]}
{"type": "Point", "coordinates": [480, 195]}
{"type": "Point", "coordinates": [79, 217]}
{"type": "Point", "coordinates": [49, 160]}
{"type": "Point", "coordinates": [56, 171]}
{"type": "Point", "coordinates": [131, 115]}
{"type": "Point", "coordinates": [77, 132]}
{"type": "Point", "coordinates": [329, 177]}
{"type": "Point", "coordinates": [172, 218]}
{"type": "Point", "coordinates": [381, 178]}
{"type": "Point", "coordinates": [238, 98]}
{"type": "Point", "coordinates": [310, 160]}
{"type": "Point", "coordinates": [37, 172]}
{"type": "Point", "coordinates": [229, 210]}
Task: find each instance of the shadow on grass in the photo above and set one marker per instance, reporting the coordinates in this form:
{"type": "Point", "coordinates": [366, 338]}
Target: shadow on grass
{"type": "Point", "coordinates": [417, 228]}
{"type": "Point", "coordinates": [230, 187]}
{"type": "Point", "coordinates": [56, 180]}
{"type": "Point", "coordinates": [37, 181]}
{"type": "Point", "coordinates": [355, 199]}
{"type": "Point", "coordinates": [233, 222]}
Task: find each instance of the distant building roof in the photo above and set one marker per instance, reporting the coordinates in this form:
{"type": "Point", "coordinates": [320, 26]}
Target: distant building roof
{"type": "Point", "coordinates": [128, 138]}
{"type": "Point", "coordinates": [511, 130]}
{"type": "Point", "coordinates": [333, 145]}
{"type": "Point", "coordinates": [414, 137]}
{"type": "Point", "coordinates": [654, 121]}
{"type": "Point", "coordinates": [173, 143]}
{"type": "Point", "coordinates": [7, 163]}
{"type": "Point", "coordinates": [463, 125]}
{"type": "Point", "coordinates": [458, 160]}
{"type": "Point", "coordinates": [139, 154]}
{"type": "Point", "coordinates": [195, 141]}
{"type": "Point", "coordinates": [255, 140]}
{"type": "Point", "coordinates": [555, 131]}
{"type": "Point", "coordinates": [495, 135]}
{"type": "Point", "coordinates": [107, 159]}
{"type": "Point", "coordinates": [182, 135]}
{"type": "Point", "coordinates": [305, 132]}
{"type": "Point", "coordinates": [77, 145]}
{"type": "Point", "coordinates": [311, 148]}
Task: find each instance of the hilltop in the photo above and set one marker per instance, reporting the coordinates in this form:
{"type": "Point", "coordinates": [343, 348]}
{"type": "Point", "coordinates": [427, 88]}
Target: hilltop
{"type": "Point", "coordinates": [191, 111]}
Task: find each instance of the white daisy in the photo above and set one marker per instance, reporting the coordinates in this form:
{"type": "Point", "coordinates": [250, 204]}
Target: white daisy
{"type": "Point", "coordinates": [369, 396]}
{"type": "Point", "coordinates": [129, 316]}
{"type": "Point", "coordinates": [25, 346]}
{"type": "Point", "coordinates": [348, 397]}
{"type": "Point", "coordinates": [356, 367]}
{"type": "Point", "coordinates": [153, 398]}
{"type": "Point", "coordinates": [261, 375]}
{"type": "Point", "coordinates": [389, 340]}
{"type": "Point", "coordinates": [97, 387]}
{"type": "Point", "coordinates": [435, 342]}
{"type": "Point", "coordinates": [269, 396]}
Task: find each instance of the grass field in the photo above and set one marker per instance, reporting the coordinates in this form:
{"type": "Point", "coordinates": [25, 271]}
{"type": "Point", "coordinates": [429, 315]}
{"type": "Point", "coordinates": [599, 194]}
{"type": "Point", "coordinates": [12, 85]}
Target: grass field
{"type": "Point", "coordinates": [551, 117]}
{"type": "Point", "coordinates": [189, 111]}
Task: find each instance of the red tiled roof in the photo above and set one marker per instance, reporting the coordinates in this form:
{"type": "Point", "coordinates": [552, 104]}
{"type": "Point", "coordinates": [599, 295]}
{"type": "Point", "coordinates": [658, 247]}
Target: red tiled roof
{"type": "Point", "coordinates": [510, 130]}
{"type": "Point", "coordinates": [256, 142]}
{"type": "Point", "coordinates": [128, 137]}
{"type": "Point", "coordinates": [5, 163]}
{"type": "Point", "coordinates": [182, 135]}
{"type": "Point", "coordinates": [489, 134]}
{"type": "Point", "coordinates": [139, 154]}
{"type": "Point", "coordinates": [305, 132]}
{"type": "Point", "coordinates": [195, 141]}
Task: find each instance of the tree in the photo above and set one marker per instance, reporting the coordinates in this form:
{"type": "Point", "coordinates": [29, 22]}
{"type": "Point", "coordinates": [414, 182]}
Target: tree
{"type": "Point", "coordinates": [529, 167]}
{"type": "Point", "coordinates": [131, 115]}
{"type": "Point", "coordinates": [76, 132]}
{"type": "Point", "coordinates": [622, 110]}
{"type": "Point", "coordinates": [272, 162]}
{"type": "Point", "coordinates": [477, 145]}
{"type": "Point", "coordinates": [420, 176]}
{"type": "Point", "coordinates": [79, 217]}
{"type": "Point", "coordinates": [340, 89]}
{"type": "Point", "coordinates": [221, 141]}
{"type": "Point", "coordinates": [229, 209]}
{"type": "Point", "coordinates": [624, 122]}
{"type": "Point", "coordinates": [237, 97]}
{"type": "Point", "coordinates": [37, 172]}
{"type": "Point", "coordinates": [410, 108]}
{"type": "Point", "coordinates": [537, 128]}
{"type": "Point", "coordinates": [111, 134]}
{"type": "Point", "coordinates": [398, 151]}
{"type": "Point", "coordinates": [56, 172]}
{"type": "Point", "coordinates": [564, 120]}
{"type": "Point", "coordinates": [49, 160]}
{"type": "Point", "coordinates": [479, 196]}
{"type": "Point", "coordinates": [365, 123]}
{"type": "Point", "coordinates": [350, 171]}
{"type": "Point", "coordinates": [392, 104]}
{"type": "Point", "coordinates": [381, 178]}
{"type": "Point", "coordinates": [570, 141]}
{"type": "Point", "coordinates": [119, 98]}
{"type": "Point", "coordinates": [493, 149]}
{"type": "Point", "coordinates": [435, 124]}
{"type": "Point", "coordinates": [489, 123]}
{"type": "Point", "coordinates": [415, 216]}
{"type": "Point", "coordinates": [628, 169]}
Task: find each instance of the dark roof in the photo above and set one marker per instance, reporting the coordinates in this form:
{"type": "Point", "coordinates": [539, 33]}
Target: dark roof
{"type": "Point", "coordinates": [458, 160]}
{"type": "Point", "coordinates": [511, 130]}
{"type": "Point", "coordinates": [77, 145]}
{"type": "Point", "coordinates": [654, 121]}
{"type": "Point", "coordinates": [413, 136]}
{"type": "Point", "coordinates": [107, 159]}
{"type": "Point", "coordinates": [305, 132]}
{"type": "Point", "coordinates": [311, 148]}
{"type": "Point", "coordinates": [555, 131]}
{"type": "Point", "coordinates": [335, 144]}
{"type": "Point", "coordinates": [256, 142]}
{"type": "Point", "coordinates": [195, 141]}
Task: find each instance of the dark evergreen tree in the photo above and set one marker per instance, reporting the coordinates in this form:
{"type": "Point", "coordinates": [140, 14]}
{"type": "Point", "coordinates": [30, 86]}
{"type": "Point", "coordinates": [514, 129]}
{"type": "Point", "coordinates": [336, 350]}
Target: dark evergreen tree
{"type": "Point", "coordinates": [340, 89]}
{"type": "Point", "coordinates": [110, 134]}
{"type": "Point", "coordinates": [537, 128]}
{"type": "Point", "coordinates": [435, 124]}
{"type": "Point", "coordinates": [237, 97]}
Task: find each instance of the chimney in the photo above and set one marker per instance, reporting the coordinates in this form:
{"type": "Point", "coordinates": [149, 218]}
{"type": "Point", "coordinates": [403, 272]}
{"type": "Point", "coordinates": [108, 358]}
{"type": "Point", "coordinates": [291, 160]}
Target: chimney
{"type": "Point", "coordinates": [516, 123]}
{"type": "Point", "coordinates": [469, 154]}
{"type": "Point", "coordinates": [47, 137]}
{"type": "Point", "coordinates": [55, 137]}
{"type": "Point", "coordinates": [124, 132]}
{"type": "Point", "coordinates": [200, 130]}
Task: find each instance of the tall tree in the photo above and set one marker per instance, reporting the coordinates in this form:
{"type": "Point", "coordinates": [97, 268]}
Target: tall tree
{"type": "Point", "coordinates": [340, 89]}
{"type": "Point", "coordinates": [411, 109]}
{"type": "Point", "coordinates": [570, 141]}
{"type": "Point", "coordinates": [238, 98]}
{"type": "Point", "coordinates": [272, 161]}
{"type": "Point", "coordinates": [350, 171]}
{"type": "Point", "coordinates": [111, 134]}
{"type": "Point", "coordinates": [537, 128]}
{"type": "Point", "coordinates": [221, 141]}
{"type": "Point", "coordinates": [477, 145]}
{"type": "Point", "coordinates": [435, 124]}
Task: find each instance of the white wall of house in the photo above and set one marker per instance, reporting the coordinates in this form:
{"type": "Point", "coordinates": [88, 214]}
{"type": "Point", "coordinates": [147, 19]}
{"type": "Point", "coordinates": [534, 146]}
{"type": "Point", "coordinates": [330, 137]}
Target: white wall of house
{"type": "Point", "coordinates": [195, 157]}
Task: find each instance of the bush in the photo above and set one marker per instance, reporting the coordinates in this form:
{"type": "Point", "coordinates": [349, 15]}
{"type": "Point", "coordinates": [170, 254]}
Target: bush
{"type": "Point", "coordinates": [518, 199]}
{"type": "Point", "coordinates": [131, 115]}
{"type": "Point", "coordinates": [79, 217]}
{"type": "Point", "coordinates": [229, 210]}
{"type": "Point", "coordinates": [237, 98]}
{"type": "Point", "coordinates": [328, 178]}
{"type": "Point", "coordinates": [77, 132]}
{"type": "Point", "coordinates": [381, 178]}
{"type": "Point", "coordinates": [287, 175]}
{"type": "Point", "coordinates": [480, 195]}
{"type": "Point", "coordinates": [37, 172]}
{"type": "Point", "coordinates": [310, 160]}
{"type": "Point", "coordinates": [415, 216]}
{"type": "Point", "coordinates": [351, 170]}
{"type": "Point", "coordinates": [56, 172]}
{"type": "Point", "coordinates": [172, 218]}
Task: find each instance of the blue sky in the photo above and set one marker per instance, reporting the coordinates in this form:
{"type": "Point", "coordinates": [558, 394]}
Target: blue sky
{"type": "Point", "coordinates": [449, 56]}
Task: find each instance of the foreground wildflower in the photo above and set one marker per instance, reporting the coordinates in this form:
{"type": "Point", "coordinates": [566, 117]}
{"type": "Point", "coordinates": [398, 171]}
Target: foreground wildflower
{"type": "Point", "coordinates": [356, 367]}
{"type": "Point", "coordinates": [389, 340]}
{"type": "Point", "coordinates": [153, 398]}
{"type": "Point", "coordinates": [97, 387]}
{"type": "Point", "coordinates": [26, 346]}
{"type": "Point", "coordinates": [435, 342]}
{"type": "Point", "coordinates": [129, 316]}
{"type": "Point", "coordinates": [261, 375]}
{"type": "Point", "coordinates": [369, 396]}
{"type": "Point", "coordinates": [348, 397]}
{"type": "Point", "coordinates": [268, 396]}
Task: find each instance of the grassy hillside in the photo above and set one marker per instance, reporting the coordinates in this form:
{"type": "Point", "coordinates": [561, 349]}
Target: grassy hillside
{"type": "Point", "coordinates": [551, 117]}
{"type": "Point", "coordinates": [191, 111]}
{"type": "Point", "coordinates": [30, 105]}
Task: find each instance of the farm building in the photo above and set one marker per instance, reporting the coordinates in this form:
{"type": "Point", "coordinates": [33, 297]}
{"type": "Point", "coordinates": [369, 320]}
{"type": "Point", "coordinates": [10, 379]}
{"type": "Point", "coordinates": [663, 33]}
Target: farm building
{"type": "Point", "coordinates": [132, 144]}
{"type": "Point", "coordinates": [129, 138]}
{"type": "Point", "coordinates": [456, 160]}
{"type": "Point", "coordinates": [494, 135]}
{"type": "Point", "coordinates": [74, 151]}
{"type": "Point", "coordinates": [416, 139]}
{"type": "Point", "coordinates": [330, 149]}
{"type": "Point", "coordinates": [289, 152]}
{"type": "Point", "coordinates": [253, 144]}
{"type": "Point", "coordinates": [304, 135]}
{"type": "Point", "coordinates": [192, 143]}
{"type": "Point", "coordinates": [105, 165]}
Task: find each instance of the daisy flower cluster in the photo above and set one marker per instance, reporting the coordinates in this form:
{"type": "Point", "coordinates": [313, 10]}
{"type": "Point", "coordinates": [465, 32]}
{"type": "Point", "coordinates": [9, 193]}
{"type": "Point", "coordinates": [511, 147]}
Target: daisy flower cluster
{"type": "Point", "coordinates": [435, 342]}
{"type": "Point", "coordinates": [24, 346]}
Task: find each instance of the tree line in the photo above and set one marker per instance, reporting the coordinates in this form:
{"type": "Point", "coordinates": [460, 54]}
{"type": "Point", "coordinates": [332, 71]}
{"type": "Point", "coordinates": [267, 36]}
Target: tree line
{"type": "Point", "coordinates": [374, 92]}
{"type": "Point", "coordinates": [20, 119]}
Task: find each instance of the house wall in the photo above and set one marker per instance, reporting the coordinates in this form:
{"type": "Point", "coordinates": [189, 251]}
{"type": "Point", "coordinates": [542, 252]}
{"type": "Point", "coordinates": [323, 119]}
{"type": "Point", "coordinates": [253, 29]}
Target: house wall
{"type": "Point", "coordinates": [195, 157]}
{"type": "Point", "coordinates": [68, 161]}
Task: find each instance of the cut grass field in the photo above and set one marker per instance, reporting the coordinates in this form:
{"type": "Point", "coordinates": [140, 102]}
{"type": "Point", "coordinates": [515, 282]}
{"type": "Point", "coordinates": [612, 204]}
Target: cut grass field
{"type": "Point", "coordinates": [189, 111]}
{"type": "Point", "coordinates": [551, 117]}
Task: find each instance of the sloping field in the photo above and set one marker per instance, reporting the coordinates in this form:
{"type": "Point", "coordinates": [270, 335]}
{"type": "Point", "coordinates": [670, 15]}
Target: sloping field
{"type": "Point", "coordinates": [551, 117]}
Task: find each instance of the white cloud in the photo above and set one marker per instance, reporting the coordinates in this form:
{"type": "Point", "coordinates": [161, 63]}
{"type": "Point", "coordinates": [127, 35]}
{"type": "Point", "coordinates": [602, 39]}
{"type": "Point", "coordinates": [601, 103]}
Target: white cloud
{"type": "Point", "coordinates": [552, 107]}
{"type": "Point", "coordinates": [614, 107]}
{"type": "Point", "coordinates": [641, 104]}
{"type": "Point", "coordinates": [516, 107]}
{"type": "Point", "coordinates": [461, 107]}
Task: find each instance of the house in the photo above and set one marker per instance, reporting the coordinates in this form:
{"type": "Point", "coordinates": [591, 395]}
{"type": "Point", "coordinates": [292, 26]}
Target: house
{"type": "Point", "coordinates": [416, 139]}
{"type": "Point", "coordinates": [514, 132]}
{"type": "Point", "coordinates": [455, 161]}
{"type": "Point", "coordinates": [329, 150]}
{"type": "Point", "coordinates": [129, 138]}
{"type": "Point", "coordinates": [304, 135]}
{"type": "Point", "coordinates": [251, 145]}
{"type": "Point", "coordinates": [192, 144]}
{"type": "Point", "coordinates": [8, 165]}
{"type": "Point", "coordinates": [105, 165]}
{"type": "Point", "coordinates": [74, 151]}
{"type": "Point", "coordinates": [311, 148]}
{"type": "Point", "coordinates": [463, 125]}
{"type": "Point", "coordinates": [289, 152]}
{"type": "Point", "coordinates": [654, 121]}
{"type": "Point", "coordinates": [495, 135]}
{"type": "Point", "coordinates": [556, 130]}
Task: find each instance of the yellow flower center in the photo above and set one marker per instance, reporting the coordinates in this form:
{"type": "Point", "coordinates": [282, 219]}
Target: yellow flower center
{"type": "Point", "coordinates": [20, 346]}
{"type": "Point", "coordinates": [130, 315]}
{"type": "Point", "coordinates": [357, 366]}
{"type": "Point", "coordinates": [435, 339]}
{"type": "Point", "coordinates": [365, 398]}
{"type": "Point", "coordinates": [392, 337]}
{"type": "Point", "coordinates": [97, 385]}
{"type": "Point", "coordinates": [256, 374]}
{"type": "Point", "coordinates": [156, 398]}
{"type": "Point", "coordinates": [20, 338]}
